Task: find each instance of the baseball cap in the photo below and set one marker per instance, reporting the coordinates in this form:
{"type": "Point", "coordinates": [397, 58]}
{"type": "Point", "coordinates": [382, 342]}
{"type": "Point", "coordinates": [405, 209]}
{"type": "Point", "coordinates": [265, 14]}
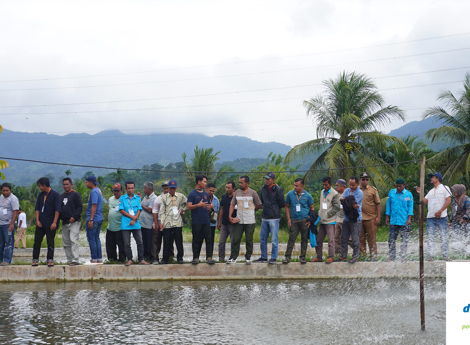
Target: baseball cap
{"type": "Point", "coordinates": [172, 184]}
{"type": "Point", "coordinates": [164, 183]}
{"type": "Point", "coordinates": [270, 175]}
{"type": "Point", "coordinates": [117, 186]}
{"type": "Point", "coordinates": [438, 175]}
{"type": "Point", "coordinates": [400, 181]}
{"type": "Point", "coordinates": [364, 175]}
{"type": "Point", "coordinates": [92, 178]}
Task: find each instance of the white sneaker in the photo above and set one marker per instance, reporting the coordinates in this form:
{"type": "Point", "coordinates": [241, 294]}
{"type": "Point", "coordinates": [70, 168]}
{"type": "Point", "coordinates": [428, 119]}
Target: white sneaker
{"type": "Point", "coordinates": [248, 261]}
{"type": "Point", "coordinates": [90, 263]}
{"type": "Point", "coordinates": [231, 261]}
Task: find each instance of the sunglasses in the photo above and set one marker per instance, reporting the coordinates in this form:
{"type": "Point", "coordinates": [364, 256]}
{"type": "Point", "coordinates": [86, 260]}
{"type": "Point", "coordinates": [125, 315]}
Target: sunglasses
{"type": "Point", "coordinates": [365, 179]}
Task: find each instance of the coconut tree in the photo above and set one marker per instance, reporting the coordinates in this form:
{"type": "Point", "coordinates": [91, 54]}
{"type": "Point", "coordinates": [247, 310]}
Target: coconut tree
{"type": "Point", "coordinates": [455, 129]}
{"type": "Point", "coordinates": [347, 116]}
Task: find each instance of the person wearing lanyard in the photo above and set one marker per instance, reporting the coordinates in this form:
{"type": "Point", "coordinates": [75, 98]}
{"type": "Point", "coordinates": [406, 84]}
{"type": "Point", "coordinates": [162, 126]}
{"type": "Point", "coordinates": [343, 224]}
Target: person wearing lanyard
{"type": "Point", "coordinates": [298, 205]}
{"type": "Point", "coordinates": [146, 219]}
{"type": "Point", "coordinates": [438, 199]}
{"type": "Point", "coordinates": [9, 208]}
{"type": "Point", "coordinates": [48, 209]}
{"type": "Point", "coordinates": [130, 209]}
{"type": "Point", "coordinates": [172, 208]}
{"type": "Point", "coordinates": [210, 190]}
{"type": "Point", "coordinates": [114, 233]}
{"type": "Point", "coordinates": [94, 219]}
{"type": "Point", "coordinates": [460, 219]}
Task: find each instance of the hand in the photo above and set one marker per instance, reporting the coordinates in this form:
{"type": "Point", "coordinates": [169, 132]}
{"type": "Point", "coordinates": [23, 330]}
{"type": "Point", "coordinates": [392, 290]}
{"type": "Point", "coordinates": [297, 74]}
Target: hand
{"type": "Point", "coordinates": [11, 227]}
{"type": "Point", "coordinates": [132, 222]}
{"type": "Point", "coordinates": [308, 224]}
{"type": "Point", "coordinates": [90, 224]}
{"type": "Point", "coordinates": [209, 207]}
{"type": "Point", "coordinates": [230, 219]}
{"type": "Point", "coordinates": [201, 204]}
{"type": "Point", "coordinates": [377, 220]}
{"type": "Point", "coordinates": [140, 195]}
{"type": "Point", "coordinates": [219, 226]}
{"type": "Point", "coordinates": [53, 226]}
{"type": "Point", "coordinates": [418, 190]}
{"type": "Point", "coordinates": [387, 220]}
{"type": "Point", "coordinates": [438, 214]}
{"type": "Point", "coordinates": [38, 223]}
{"type": "Point", "coordinates": [72, 220]}
{"type": "Point", "coordinates": [182, 212]}
{"type": "Point", "coordinates": [289, 223]}
{"type": "Point", "coordinates": [356, 206]}
{"type": "Point", "coordinates": [135, 218]}
{"type": "Point", "coordinates": [408, 222]}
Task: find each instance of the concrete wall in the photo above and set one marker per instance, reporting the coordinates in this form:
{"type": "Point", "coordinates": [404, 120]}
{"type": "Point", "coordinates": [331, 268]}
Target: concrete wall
{"type": "Point", "coordinates": [239, 271]}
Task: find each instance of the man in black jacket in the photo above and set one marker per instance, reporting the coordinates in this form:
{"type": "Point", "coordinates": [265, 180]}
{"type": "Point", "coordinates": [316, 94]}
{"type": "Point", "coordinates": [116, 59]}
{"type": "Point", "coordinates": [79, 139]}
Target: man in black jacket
{"type": "Point", "coordinates": [273, 200]}
{"type": "Point", "coordinates": [71, 202]}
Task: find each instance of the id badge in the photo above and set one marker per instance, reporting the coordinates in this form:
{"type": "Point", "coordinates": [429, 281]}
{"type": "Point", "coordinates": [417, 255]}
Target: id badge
{"type": "Point", "coordinates": [42, 208]}
{"type": "Point", "coordinates": [175, 210]}
{"type": "Point", "coordinates": [246, 204]}
{"type": "Point", "coordinates": [5, 211]}
{"type": "Point", "coordinates": [324, 205]}
{"type": "Point", "coordinates": [236, 206]}
{"type": "Point", "coordinates": [131, 212]}
{"type": "Point", "coordinates": [341, 206]}
{"type": "Point", "coordinates": [65, 201]}
{"type": "Point", "coordinates": [455, 209]}
{"type": "Point", "coordinates": [116, 208]}
{"type": "Point", "coordinates": [297, 208]}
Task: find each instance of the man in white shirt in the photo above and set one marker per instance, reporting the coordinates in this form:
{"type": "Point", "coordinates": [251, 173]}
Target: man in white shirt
{"type": "Point", "coordinates": [21, 232]}
{"type": "Point", "coordinates": [438, 199]}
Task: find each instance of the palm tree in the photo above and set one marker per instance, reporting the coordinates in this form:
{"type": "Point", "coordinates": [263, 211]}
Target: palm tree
{"type": "Point", "coordinates": [68, 172]}
{"type": "Point", "coordinates": [3, 164]}
{"type": "Point", "coordinates": [456, 129]}
{"type": "Point", "coordinates": [347, 116]}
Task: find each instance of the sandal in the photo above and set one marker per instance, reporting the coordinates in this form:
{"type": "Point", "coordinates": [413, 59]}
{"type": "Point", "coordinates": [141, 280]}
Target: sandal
{"type": "Point", "coordinates": [303, 261]}
{"type": "Point", "coordinates": [285, 261]}
{"type": "Point", "coordinates": [50, 264]}
{"type": "Point", "coordinates": [35, 263]}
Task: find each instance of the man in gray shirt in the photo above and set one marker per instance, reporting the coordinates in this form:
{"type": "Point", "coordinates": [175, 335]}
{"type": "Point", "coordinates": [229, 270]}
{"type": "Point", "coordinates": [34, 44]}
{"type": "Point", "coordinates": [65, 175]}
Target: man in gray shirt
{"type": "Point", "coordinates": [9, 207]}
{"type": "Point", "coordinates": [146, 218]}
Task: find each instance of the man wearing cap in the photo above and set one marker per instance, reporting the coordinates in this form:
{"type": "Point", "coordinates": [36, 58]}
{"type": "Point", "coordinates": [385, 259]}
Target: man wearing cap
{"type": "Point", "coordinates": [173, 205]}
{"type": "Point", "coordinates": [398, 216]}
{"type": "Point", "coordinates": [370, 218]}
{"type": "Point", "coordinates": [114, 234]}
{"type": "Point", "coordinates": [130, 209]}
{"type": "Point", "coordinates": [438, 199]}
{"type": "Point", "coordinates": [47, 210]}
{"type": "Point", "coordinates": [272, 198]}
{"type": "Point", "coordinates": [224, 225]}
{"type": "Point", "coordinates": [94, 219]}
{"type": "Point", "coordinates": [157, 237]}
{"type": "Point", "coordinates": [9, 207]}
{"type": "Point", "coordinates": [340, 188]}
{"type": "Point", "coordinates": [72, 206]}
{"type": "Point", "coordinates": [146, 219]}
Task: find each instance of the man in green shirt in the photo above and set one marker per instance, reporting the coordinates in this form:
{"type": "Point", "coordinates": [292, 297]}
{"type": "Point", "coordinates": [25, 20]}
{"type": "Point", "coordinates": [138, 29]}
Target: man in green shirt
{"type": "Point", "coordinates": [114, 234]}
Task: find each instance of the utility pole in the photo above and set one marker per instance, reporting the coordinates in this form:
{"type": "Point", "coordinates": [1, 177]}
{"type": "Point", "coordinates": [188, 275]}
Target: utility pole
{"type": "Point", "coordinates": [421, 239]}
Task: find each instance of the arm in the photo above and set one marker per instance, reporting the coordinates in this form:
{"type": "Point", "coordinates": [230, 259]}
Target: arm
{"type": "Point", "coordinates": [193, 207]}
{"type": "Point", "coordinates": [387, 210]}
{"type": "Point", "coordinates": [38, 223]}
{"type": "Point", "coordinates": [78, 211]}
{"type": "Point", "coordinates": [446, 204]}
{"type": "Point", "coordinates": [219, 223]}
{"type": "Point", "coordinates": [13, 219]}
{"type": "Point", "coordinates": [282, 202]}
{"type": "Point", "coordinates": [410, 209]}
{"type": "Point", "coordinates": [92, 215]}
{"type": "Point", "coordinates": [336, 206]}
{"type": "Point", "coordinates": [54, 223]}
{"type": "Point", "coordinates": [162, 212]}
{"type": "Point", "coordinates": [230, 212]}
{"type": "Point", "coordinates": [377, 220]}
{"type": "Point", "coordinates": [289, 223]}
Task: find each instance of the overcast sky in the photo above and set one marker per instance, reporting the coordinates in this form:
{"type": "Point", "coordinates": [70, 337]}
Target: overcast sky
{"type": "Point", "coordinates": [218, 67]}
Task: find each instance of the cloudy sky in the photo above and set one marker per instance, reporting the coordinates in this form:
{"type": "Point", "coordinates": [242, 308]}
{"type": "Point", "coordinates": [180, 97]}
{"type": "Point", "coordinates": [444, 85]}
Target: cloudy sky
{"type": "Point", "coordinates": [218, 67]}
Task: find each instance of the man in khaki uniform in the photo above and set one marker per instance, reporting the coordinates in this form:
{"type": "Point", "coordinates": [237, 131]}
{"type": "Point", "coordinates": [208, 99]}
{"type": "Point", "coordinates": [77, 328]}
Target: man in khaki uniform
{"type": "Point", "coordinates": [370, 217]}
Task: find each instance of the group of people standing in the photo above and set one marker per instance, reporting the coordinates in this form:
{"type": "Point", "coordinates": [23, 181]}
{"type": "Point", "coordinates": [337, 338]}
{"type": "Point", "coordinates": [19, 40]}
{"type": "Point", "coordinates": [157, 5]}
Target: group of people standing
{"type": "Point", "coordinates": [349, 215]}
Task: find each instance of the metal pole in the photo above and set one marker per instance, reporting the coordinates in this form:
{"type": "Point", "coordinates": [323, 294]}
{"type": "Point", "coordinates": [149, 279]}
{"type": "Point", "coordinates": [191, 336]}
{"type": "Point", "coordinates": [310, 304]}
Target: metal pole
{"type": "Point", "coordinates": [421, 238]}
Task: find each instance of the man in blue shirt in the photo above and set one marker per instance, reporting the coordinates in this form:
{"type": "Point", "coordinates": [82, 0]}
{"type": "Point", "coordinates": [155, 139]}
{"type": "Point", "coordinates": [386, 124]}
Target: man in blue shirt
{"type": "Point", "coordinates": [94, 219]}
{"type": "Point", "coordinates": [130, 208]}
{"type": "Point", "coordinates": [351, 227]}
{"type": "Point", "coordinates": [398, 217]}
{"type": "Point", "coordinates": [298, 205]}
{"type": "Point", "coordinates": [210, 190]}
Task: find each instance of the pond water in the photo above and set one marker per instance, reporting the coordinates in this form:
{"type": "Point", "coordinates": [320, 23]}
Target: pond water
{"type": "Point", "coordinates": [343, 311]}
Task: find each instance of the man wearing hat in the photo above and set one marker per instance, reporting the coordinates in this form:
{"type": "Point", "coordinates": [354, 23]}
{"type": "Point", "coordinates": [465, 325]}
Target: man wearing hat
{"type": "Point", "coordinates": [398, 216]}
{"type": "Point", "coordinates": [272, 198]}
{"type": "Point", "coordinates": [157, 237]}
{"type": "Point", "coordinates": [114, 234]}
{"type": "Point", "coordinates": [438, 199]}
{"type": "Point", "coordinates": [94, 219]}
{"type": "Point", "coordinates": [370, 218]}
{"type": "Point", "coordinates": [340, 188]}
{"type": "Point", "coordinates": [173, 206]}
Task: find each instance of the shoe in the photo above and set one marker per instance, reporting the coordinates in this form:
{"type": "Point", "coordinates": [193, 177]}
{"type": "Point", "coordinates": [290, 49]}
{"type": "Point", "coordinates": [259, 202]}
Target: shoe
{"type": "Point", "coordinates": [446, 258]}
{"type": "Point", "coordinates": [340, 260]}
{"type": "Point", "coordinates": [50, 264]}
{"type": "Point", "coordinates": [128, 263]}
{"type": "Point", "coordinates": [430, 258]}
{"type": "Point", "coordinates": [260, 261]}
{"type": "Point", "coordinates": [389, 260]}
{"type": "Point", "coordinates": [74, 264]}
{"type": "Point", "coordinates": [352, 261]}
{"type": "Point", "coordinates": [231, 261]}
{"type": "Point", "coordinates": [210, 261]}
{"type": "Point", "coordinates": [16, 247]}
{"type": "Point", "coordinates": [248, 262]}
{"type": "Point", "coordinates": [195, 261]}
{"type": "Point", "coordinates": [303, 261]}
{"type": "Point", "coordinates": [34, 264]}
{"type": "Point", "coordinates": [286, 261]}
{"type": "Point", "coordinates": [316, 260]}
{"type": "Point", "coordinates": [329, 261]}
{"type": "Point", "coordinates": [373, 260]}
{"type": "Point", "coordinates": [91, 262]}
{"type": "Point", "coordinates": [23, 247]}
{"type": "Point", "coordinates": [272, 261]}
{"type": "Point", "coordinates": [99, 262]}
{"type": "Point", "coordinates": [4, 263]}
{"type": "Point", "coordinates": [143, 262]}
{"type": "Point", "coordinates": [155, 262]}
{"type": "Point", "coordinates": [163, 262]}
{"type": "Point", "coordinates": [181, 261]}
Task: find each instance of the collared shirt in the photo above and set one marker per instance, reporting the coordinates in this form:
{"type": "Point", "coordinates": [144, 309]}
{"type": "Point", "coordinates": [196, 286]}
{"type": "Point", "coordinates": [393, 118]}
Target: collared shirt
{"type": "Point", "coordinates": [146, 218]}
{"type": "Point", "coordinates": [249, 198]}
{"type": "Point", "coordinates": [114, 216]}
{"type": "Point", "coordinates": [436, 199]}
{"type": "Point", "coordinates": [9, 204]}
{"type": "Point", "coordinates": [304, 199]}
{"type": "Point", "coordinates": [95, 198]}
{"type": "Point", "coordinates": [127, 203]}
{"type": "Point", "coordinates": [399, 206]}
{"type": "Point", "coordinates": [358, 195]}
{"type": "Point", "coordinates": [48, 204]}
{"type": "Point", "coordinates": [168, 217]}
{"type": "Point", "coordinates": [216, 204]}
{"type": "Point", "coordinates": [340, 214]}
{"type": "Point", "coordinates": [369, 202]}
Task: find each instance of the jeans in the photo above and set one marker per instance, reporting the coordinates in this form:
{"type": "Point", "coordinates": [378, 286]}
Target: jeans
{"type": "Point", "coordinates": [297, 225]}
{"type": "Point", "coordinates": [6, 243]}
{"type": "Point", "coordinates": [70, 233]}
{"type": "Point", "coordinates": [269, 226]}
{"type": "Point", "coordinates": [38, 236]}
{"type": "Point", "coordinates": [441, 225]}
{"type": "Point", "coordinates": [392, 239]}
{"type": "Point", "coordinates": [113, 239]}
{"type": "Point", "coordinates": [352, 230]}
{"type": "Point", "coordinates": [147, 235]}
{"type": "Point", "coordinates": [126, 234]}
{"type": "Point", "coordinates": [93, 237]}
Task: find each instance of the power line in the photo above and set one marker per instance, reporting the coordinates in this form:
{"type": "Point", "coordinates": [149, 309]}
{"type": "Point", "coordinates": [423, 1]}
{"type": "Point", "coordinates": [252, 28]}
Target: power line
{"type": "Point", "coordinates": [237, 62]}
{"type": "Point", "coordinates": [193, 172]}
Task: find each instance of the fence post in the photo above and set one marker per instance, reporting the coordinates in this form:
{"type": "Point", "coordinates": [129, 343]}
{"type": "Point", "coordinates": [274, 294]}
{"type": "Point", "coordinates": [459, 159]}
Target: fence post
{"type": "Point", "coordinates": [421, 238]}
